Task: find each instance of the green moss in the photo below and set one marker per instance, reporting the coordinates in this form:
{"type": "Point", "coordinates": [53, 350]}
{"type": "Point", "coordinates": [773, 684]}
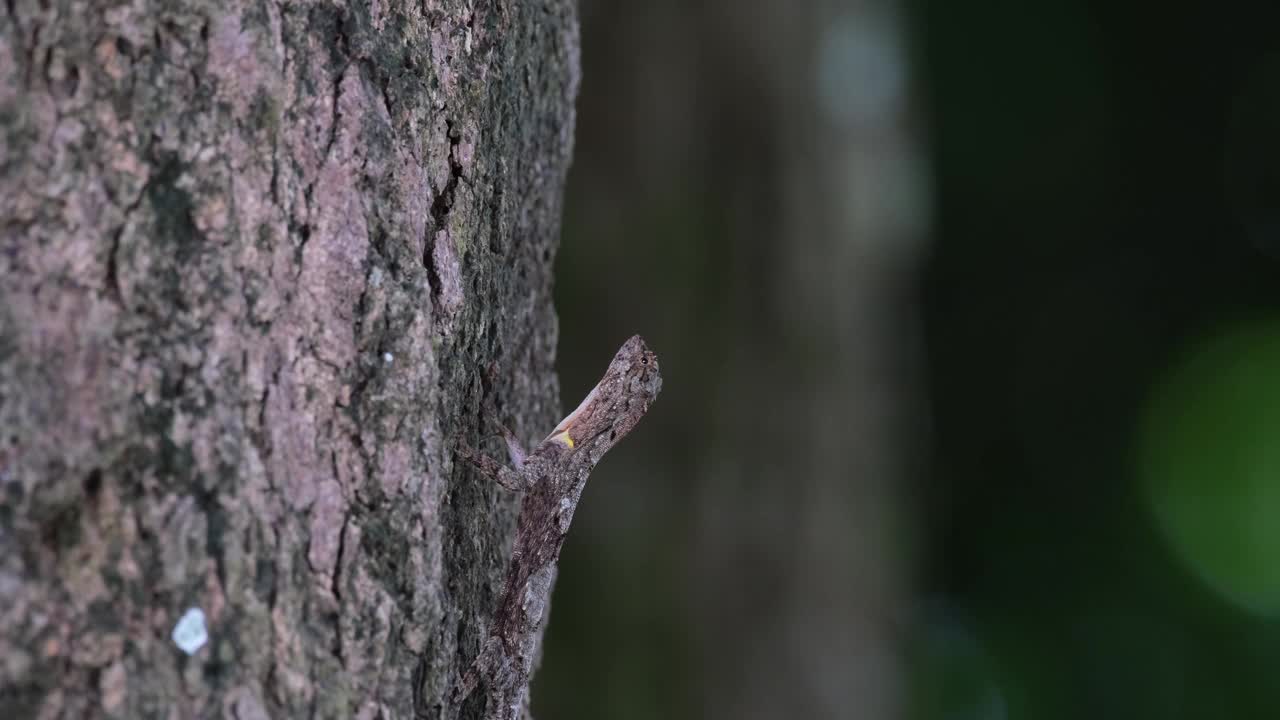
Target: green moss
{"type": "Point", "coordinates": [62, 531]}
{"type": "Point", "coordinates": [386, 548]}
{"type": "Point", "coordinates": [8, 342]}
{"type": "Point", "coordinates": [264, 577]}
{"type": "Point", "coordinates": [264, 112]}
{"type": "Point", "coordinates": [18, 136]}
{"type": "Point", "coordinates": [172, 208]}
{"type": "Point", "coordinates": [265, 236]}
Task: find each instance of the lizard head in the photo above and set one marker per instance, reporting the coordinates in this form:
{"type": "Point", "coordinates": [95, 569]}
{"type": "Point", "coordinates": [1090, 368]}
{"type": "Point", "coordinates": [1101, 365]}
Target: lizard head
{"type": "Point", "coordinates": [617, 402]}
{"type": "Point", "coordinates": [638, 367]}
{"type": "Point", "coordinates": [627, 389]}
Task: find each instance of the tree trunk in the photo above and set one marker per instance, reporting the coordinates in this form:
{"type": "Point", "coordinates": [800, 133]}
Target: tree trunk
{"type": "Point", "coordinates": [261, 264]}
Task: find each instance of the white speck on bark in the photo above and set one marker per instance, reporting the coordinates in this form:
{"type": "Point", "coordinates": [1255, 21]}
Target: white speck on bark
{"type": "Point", "coordinates": [190, 634]}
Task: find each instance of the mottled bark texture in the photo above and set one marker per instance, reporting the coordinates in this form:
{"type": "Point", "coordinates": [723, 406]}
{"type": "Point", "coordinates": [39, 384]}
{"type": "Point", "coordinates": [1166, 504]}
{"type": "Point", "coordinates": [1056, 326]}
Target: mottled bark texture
{"type": "Point", "coordinates": [257, 261]}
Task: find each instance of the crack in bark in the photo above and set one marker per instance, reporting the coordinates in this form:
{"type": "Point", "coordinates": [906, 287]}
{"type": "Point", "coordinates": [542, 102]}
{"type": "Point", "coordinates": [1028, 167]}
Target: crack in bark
{"type": "Point", "coordinates": [344, 50]}
{"type": "Point", "coordinates": [275, 171]}
{"type": "Point", "coordinates": [207, 500]}
{"type": "Point", "coordinates": [112, 280]}
{"type": "Point", "coordinates": [441, 206]}
{"type": "Point", "coordinates": [495, 218]}
{"type": "Point", "coordinates": [260, 437]}
{"type": "Point", "coordinates": [386, 100]}
{"type": "Point", "coordinates": [336, 112]}
{"type": "Point", "coordinates": [433, 274]}
{"type": "Point", "coordinates": [443, 202]}
{"type": "Point", "coordinates": [304, 233]}
{"type": "Point", "coordinates": [335, 584]}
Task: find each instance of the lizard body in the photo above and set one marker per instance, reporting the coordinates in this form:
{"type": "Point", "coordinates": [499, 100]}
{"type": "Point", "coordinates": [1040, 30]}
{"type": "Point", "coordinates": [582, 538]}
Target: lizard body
{"type": "Point", "coordinates": [552, 476]}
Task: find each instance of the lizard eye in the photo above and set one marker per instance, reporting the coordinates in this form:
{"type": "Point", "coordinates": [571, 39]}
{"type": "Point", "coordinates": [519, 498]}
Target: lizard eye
{"type": "Point", "coordinates": [644, 361]}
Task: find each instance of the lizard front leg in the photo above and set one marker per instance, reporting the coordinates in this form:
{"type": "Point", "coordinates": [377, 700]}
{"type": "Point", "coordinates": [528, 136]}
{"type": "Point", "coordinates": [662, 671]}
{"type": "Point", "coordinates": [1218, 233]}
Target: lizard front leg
{"type": "Point", "coordinates": [514, 449]}
{"type": "Point", "coordinates": [494, 470]}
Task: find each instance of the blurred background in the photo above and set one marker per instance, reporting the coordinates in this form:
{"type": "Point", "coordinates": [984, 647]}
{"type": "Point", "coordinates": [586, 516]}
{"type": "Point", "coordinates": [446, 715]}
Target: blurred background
{"type": "Point", "coordinates": [967, 314]}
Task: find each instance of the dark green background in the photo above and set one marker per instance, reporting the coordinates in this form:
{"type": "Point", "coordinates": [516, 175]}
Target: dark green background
{"type": "Point", "coordinates": [1096, 316]}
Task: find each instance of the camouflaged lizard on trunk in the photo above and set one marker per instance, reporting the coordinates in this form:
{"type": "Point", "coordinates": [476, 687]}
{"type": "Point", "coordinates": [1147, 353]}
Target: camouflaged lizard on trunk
{"type": "Point", "coordinates": [552, 477]}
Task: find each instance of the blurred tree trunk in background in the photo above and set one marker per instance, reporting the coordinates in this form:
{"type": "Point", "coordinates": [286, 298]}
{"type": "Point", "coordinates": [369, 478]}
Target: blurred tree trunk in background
{"type": "Point", "coordinates": [829, 203]}
{"type": "Point", "coordinates": [255, 259]}
{"type": "Point", "coordinates": [763, 154]}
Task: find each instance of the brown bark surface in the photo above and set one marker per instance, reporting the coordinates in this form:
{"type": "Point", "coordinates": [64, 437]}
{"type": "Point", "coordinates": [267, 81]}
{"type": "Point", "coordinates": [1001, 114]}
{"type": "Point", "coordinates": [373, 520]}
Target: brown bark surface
{"type": "Point", "coordinates": [256, 262]}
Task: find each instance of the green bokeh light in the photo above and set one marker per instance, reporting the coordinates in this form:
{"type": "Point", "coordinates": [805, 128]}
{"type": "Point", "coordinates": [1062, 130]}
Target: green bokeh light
{"type": "Point", "coordinates": [950, 675]}
{"type": "Point", "coordinates": [1209, 457]}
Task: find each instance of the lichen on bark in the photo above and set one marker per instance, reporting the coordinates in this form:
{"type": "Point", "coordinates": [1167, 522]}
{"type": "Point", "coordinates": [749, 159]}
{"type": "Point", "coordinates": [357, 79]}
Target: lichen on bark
{"type": "Point", "coordinates": [255, 261]}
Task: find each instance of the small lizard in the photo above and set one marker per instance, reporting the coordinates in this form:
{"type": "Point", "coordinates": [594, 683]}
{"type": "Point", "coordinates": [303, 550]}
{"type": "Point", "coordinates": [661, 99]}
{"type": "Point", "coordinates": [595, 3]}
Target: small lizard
{"type": "Point", "coordinates": [552, 477]}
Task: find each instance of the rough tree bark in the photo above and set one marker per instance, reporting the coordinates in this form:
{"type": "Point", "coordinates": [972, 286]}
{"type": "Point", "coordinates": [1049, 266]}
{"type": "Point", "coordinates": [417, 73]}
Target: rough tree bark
{"type": "Point", "coordinates": [261, 264]}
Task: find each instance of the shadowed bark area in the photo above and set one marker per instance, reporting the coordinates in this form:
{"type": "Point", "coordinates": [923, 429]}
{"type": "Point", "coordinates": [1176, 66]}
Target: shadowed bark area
{"type": "Point", "coordinates": [261, 264]}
